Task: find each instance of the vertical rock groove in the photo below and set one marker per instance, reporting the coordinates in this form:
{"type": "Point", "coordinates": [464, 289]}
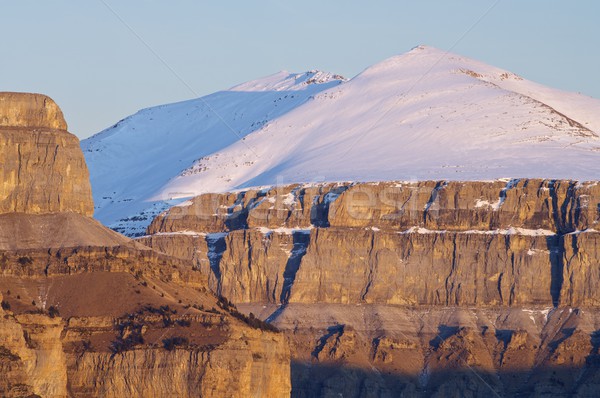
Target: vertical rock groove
{"type": "Point", "coordinates": [300, 240]}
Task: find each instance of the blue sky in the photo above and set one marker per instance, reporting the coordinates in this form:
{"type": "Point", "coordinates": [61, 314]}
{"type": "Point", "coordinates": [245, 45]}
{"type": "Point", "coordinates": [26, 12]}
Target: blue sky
{"type": "Point", "coordinates": [87, 58]}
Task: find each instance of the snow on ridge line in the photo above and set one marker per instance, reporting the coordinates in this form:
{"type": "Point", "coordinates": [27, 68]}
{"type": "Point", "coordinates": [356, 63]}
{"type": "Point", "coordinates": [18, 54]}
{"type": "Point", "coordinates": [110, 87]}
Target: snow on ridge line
{"type": "Point", "coordinates": [290, 160]}
{"type": "Point", "coordinates": [177, 233]}
{"type": "Point", "coordinates": [131, 160]}
{"type": "Point", "coordinates": [288, 81]}
{"type": "Point", "coordinates": [411, 230]}
{"type": "Point", "coordinates": [285, 230]}
{"type": "Point", "coordinates": [573, 106]}
{"type": "Point", "coordinates": [506, 231]}
{"type": "Point", "coordinates": [584, 231]}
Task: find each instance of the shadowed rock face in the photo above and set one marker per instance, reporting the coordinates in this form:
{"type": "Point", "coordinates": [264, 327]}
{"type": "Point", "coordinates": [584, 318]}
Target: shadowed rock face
{"type": "Point", "coordinates": [42, 167]}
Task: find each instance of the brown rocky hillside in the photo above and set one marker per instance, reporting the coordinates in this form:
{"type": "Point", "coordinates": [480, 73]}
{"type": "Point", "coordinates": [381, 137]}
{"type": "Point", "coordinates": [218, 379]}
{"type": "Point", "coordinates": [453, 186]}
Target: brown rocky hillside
{"type": "Point", "coordinates": [87, 312]}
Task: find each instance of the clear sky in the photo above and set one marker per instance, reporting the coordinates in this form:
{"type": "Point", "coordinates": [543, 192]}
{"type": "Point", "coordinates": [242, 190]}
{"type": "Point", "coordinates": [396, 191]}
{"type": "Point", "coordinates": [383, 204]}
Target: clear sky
{"type": "Point", "coordinates": [91, 58]}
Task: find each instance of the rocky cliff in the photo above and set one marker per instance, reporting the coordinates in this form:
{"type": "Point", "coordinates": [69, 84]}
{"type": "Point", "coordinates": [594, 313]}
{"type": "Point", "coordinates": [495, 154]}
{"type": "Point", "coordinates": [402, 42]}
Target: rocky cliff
{"type": "Point", "coordinates": [43, 169]}
{"type": "Point", "coordinates": [31, 111]}
{"type": "Point", "coordinates": [432, 243]}
{"type": "Point", "coordinates": [419, 288]}
{"type": "Point", "coordinates": [87, 312]}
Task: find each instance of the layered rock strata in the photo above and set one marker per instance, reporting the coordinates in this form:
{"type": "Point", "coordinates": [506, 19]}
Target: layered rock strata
{"type": "Point", "coordinates": [351, 270]}
{"type": "Point", "coordinates": [43, 169]}
{"type": "Point", "coordinates": [87, 312]}
{"type": "Point", "coordinates": [430, 243]}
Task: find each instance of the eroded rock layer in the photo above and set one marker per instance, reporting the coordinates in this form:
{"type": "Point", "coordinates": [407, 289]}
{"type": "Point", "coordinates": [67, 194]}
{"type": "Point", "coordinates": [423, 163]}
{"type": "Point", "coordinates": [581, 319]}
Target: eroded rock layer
{"type": "Point", "coordinates": [389, 351]}
{"type": "Point", "coordinates": [86, 312]}
{"type": "Point", "coordinates": [42, 167]}
{"type": "Point", "coordinates": [31, 111]}
{"type": "Point", "coordinates": [431, 243]}
{"type": "Point", "coordinates": [114, 334]}
{"type": "Point", "coordinates": [414, 288]}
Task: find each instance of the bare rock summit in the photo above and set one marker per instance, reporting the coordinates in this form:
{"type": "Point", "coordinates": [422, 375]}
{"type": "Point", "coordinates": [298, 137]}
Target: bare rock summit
{"type": "Point", "coordinates": [42, 168]}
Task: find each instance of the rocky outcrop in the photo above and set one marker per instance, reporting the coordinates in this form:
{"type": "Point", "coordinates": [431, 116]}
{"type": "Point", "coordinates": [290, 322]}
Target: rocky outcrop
{"type": "Point", "coordinates": [43, 169]}
{"type": "Point", "coordinates": [578, 269]}
{"type": "Point", "coordinates": [292, 206]}
{"type": "Point", "coordinates": [557, 205]}
{"type": "Point", "coordinates": [159, 354]}
{"type": "Point", "coordinates": [379, 267]}
{"type": "Point", "coordinates": [31, 346]}
{"type": "Point", "coordinates": [30, 111]}
{"type": "Point", "coordinates": [54, 230]}
{"type": "Point", "coordinates": [376, 350]}
{"type": "Point", "coordinates": [214, 361]}
{"type": "Point", "coordinates": [425, 268]}
{"type": "Point", "coordinates": [229, 369]}
{"type": "Point", "coordinates": [88, 312]}
{"type": "Point", "coordinates": [437, 351]}
{"type": "Point", "coordinates": [267, 261]}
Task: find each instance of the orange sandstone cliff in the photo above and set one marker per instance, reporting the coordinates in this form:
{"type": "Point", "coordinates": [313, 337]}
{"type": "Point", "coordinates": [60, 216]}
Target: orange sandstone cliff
{"type": "Point", "coordinates": [87, 312]}
{"type": "Point", "coordinates": [434, 288]}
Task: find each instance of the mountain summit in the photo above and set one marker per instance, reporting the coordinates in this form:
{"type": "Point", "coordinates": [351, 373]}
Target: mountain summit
{"type": "Point", "coordinates": [426, 114]}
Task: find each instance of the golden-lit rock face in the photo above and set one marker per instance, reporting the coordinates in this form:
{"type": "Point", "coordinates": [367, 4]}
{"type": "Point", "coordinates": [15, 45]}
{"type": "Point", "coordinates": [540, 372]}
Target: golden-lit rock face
{"type": "Point", "coordinates": [87, 312]}
{"type": "Point", "coordinates": [511, 243]}
{"type": "Point", "coordinates": [410, 288]}
{"type": "Point", "coordinates": [42, 167]}
{"type": "Point", "coordinates": [31, 111]}
{"type": "Point", "coordinates": [74, 356]}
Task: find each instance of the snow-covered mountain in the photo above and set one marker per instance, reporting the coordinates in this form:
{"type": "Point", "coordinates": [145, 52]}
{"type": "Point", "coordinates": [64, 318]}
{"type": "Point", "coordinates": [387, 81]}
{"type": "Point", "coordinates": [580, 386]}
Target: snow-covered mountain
{"type": "Point", "coordinates": [136, 158]}
{"type": "Point", "coordinates": [425, 114]}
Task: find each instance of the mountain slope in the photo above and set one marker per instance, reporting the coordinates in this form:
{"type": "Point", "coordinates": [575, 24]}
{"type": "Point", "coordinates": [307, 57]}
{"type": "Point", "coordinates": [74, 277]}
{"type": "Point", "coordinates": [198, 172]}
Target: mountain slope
{"type": "Point", "coordinates": [422, 115]}
{"type": "Point", "coordinates": [132, 160]}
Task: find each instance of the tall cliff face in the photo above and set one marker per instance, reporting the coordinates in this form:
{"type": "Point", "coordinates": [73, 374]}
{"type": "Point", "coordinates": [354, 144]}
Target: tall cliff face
{"type": "Point", "coordinates": [292, 206]}
{"type": "Point", "coordinates": [88, 312]}
{"type": "Point", "coordinates": [557, 205]}
{"type": "Point", "coordinates": [421, 281]}
{"type": "Point", "coordinates": [43, 169]}
{"type": "Point", "coordinates": [429, 243]}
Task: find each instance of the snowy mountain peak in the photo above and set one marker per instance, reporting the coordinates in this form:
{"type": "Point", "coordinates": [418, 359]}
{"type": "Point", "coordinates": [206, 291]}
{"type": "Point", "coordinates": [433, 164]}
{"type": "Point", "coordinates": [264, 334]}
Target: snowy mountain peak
{"type": "Point", "coordinates": [428, 61]}
{"type": "Point", "coordinates": [286, 81]}
{"type": "Point", "coordinates": [426, 114]}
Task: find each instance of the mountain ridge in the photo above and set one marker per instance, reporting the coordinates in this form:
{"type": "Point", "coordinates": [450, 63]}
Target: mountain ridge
{"type": "Point", "coordinates": [423, 115]}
